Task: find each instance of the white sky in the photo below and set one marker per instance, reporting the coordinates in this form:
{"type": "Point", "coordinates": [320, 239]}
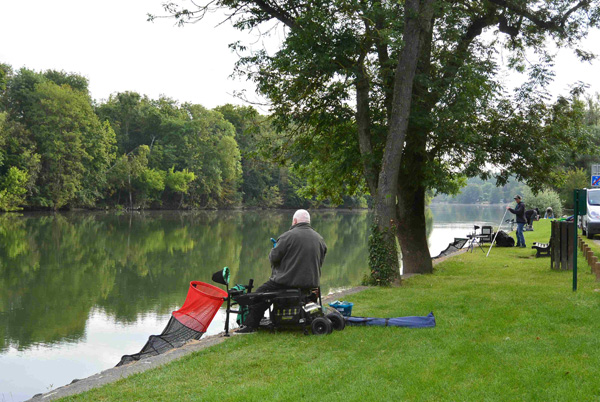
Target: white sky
{"type": "Point", "coordinates": [111, 43]}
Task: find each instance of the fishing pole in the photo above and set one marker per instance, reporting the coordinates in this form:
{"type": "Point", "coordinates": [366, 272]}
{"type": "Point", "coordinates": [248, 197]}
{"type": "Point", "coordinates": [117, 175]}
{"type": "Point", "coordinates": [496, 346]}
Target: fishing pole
{"type": "Point", "coordinates": [493, 240]}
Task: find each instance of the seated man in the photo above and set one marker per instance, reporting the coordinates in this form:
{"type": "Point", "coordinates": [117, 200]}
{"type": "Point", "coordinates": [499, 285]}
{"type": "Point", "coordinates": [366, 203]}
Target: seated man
{"type": "Point", "coordinates": [296, 261]}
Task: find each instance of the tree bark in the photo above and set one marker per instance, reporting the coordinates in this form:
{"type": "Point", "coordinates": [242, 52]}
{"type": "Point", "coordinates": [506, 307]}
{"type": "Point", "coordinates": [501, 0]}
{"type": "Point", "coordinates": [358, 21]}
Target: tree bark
{"type": "Point", "coordinates": [418, 15]}
{"type": "Point", "coordinates": [412, 231]}
{"type": "Point", "coordinates": [412, 226]}
{"type": "Point", "coordinates": [363, 123]}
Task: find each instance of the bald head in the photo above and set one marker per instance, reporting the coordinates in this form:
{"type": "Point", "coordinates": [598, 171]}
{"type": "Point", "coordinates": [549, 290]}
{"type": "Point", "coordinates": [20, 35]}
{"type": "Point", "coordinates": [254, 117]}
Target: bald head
{"type": "Point", "coordinates": [300, 216]}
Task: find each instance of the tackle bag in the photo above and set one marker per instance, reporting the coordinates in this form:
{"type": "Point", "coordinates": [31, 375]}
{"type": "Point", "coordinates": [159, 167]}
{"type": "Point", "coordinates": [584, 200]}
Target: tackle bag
{"type": "Point", "coordinates": [427, 321]}
{"type": "Point", "coordinates": [504, 240]}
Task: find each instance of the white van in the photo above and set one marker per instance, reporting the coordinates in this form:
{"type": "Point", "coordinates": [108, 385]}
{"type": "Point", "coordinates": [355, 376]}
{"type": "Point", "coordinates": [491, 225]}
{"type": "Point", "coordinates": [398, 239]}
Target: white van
{"type": "Point", "coordinates": [590, 222]}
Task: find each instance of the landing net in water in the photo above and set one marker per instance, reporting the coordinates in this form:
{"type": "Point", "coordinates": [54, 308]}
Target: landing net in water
{"type": "Point", "coordinates": [189, 322]}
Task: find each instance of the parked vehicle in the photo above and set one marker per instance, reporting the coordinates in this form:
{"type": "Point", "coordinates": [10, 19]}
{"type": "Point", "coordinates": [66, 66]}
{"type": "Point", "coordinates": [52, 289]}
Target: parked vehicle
{"type": "Point", "coordinates": [590, 222]}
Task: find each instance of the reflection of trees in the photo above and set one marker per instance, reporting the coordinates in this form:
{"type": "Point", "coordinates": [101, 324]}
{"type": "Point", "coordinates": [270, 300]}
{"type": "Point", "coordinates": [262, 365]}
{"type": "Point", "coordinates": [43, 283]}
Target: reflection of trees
{"type": "Point", "coordinates": [52, 301]}
{"type": "Point", "coordinates": [344, 233]}
{"type": "Point", "coordinates": [159, 255]}
{"type": "Point", "coordinates": [467, 213]}
{"type": "Point", "coordinates": [346, 237]}
{"type": "Point", "coordinates": [54, 269]}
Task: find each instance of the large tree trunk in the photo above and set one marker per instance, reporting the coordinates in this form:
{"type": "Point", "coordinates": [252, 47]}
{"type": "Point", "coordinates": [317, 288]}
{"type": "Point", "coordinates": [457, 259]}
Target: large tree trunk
{"type": "Point", "coordinates": [417, 32]}
{"type": "Point", "coordinates": [412, 227]}
{"type": "Point", "coordinates": [412, 231]}
{"type": "Point", "coordinates": [418, 15]}
{"type": "Point", "coordinates": [412, 179]}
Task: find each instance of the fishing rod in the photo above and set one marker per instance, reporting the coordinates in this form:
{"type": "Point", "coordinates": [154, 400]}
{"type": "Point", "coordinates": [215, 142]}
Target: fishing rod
{"type": "Point", "coordinates": [494, 239]}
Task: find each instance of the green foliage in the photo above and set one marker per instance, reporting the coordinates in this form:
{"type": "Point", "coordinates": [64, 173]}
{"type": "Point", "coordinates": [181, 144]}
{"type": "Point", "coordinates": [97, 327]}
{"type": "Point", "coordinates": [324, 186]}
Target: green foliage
{"type": "Point", "coordinates": [74, 81]}
{"type": "Point", "coordinates": [383, 258]}
{"type": "Point", "coordinates": [5, 71]}
{"type": "Point", "coordinates": [180, 181]}
{"type": "Point", "coordinates": [366, 96]}
{"type": "Point", "coordinates": [476, 190]}
{"type": "Point", "coordinates": [149, 185]}
{"type": "Point", "coordinates": [574, 179]}
{"type": "Point", "coordinates": [542, 200]}
{"type": "Point", "coordinates": [127, 150]}
{"type": "Point", "coordinates": [271, 198]}
{"type": "Point", "coordinates": [470, 195]}
{"type": "Point", "coordinates": [52, 133]}
{"type": "Point", "coordinates": [71, 141]}
{"type": "Point", "coordinates": [12, 189]}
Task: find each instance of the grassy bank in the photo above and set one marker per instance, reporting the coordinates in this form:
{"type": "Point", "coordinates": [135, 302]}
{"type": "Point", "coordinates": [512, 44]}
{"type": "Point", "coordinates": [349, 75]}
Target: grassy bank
{"type": "Point", "coordinates": [508, 328]}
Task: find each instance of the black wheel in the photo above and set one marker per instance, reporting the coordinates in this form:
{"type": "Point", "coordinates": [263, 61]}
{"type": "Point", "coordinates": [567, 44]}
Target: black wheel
{"type": "Point", "coordinates": [337, 320]}
{"type": "Point", "coordinates": [321, 326]}
{"type": "Point", "coordinates": [590, 235]}
{"type": "Point", "coordinates": [330, 325]}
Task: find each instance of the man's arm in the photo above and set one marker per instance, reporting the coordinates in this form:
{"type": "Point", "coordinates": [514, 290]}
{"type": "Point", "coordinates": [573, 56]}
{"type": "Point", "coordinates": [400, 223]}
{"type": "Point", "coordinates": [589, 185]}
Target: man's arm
{"type": "Point", "coordinates": [323, 252]}
{"type": "Point", "coordinates": [278, 251]}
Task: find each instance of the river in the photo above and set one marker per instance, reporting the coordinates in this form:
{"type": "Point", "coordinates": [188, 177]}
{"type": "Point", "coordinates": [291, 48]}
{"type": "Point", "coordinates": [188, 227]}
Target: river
{"type": "Point", "coordinates": [78, 290]}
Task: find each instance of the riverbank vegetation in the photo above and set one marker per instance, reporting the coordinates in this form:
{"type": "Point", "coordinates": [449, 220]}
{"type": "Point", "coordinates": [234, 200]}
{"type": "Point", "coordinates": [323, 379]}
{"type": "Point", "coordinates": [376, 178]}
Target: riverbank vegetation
{"type": "Point", "coordinates": [60, 149]}
{"type": "Point", "coordinates": [508, 328]}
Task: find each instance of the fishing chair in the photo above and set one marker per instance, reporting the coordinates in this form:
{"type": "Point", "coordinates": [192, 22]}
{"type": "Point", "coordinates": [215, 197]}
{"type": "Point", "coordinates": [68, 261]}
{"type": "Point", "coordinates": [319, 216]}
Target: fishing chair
{"type": "Point", "coordinates": [486, 234]}
{"type": "Point", "coordinates": [289, 307]}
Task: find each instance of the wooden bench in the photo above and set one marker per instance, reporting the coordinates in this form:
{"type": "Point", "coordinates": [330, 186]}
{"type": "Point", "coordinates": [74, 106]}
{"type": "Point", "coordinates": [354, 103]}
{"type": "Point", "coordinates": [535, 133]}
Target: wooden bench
{"type": "Point", "coordinates": [543, 249]}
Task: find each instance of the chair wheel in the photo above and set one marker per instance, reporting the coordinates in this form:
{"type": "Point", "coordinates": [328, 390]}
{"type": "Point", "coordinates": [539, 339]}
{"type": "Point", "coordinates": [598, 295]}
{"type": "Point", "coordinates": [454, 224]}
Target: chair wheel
{"type": "Point", "coordinates": [321, 326]}
{"type": "Point", "coordinates": [337, 320]}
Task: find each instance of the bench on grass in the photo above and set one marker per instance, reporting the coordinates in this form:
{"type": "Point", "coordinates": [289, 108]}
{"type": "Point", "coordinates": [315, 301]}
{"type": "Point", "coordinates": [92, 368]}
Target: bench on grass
{"type": "Point", "coordinates": [543, 249]}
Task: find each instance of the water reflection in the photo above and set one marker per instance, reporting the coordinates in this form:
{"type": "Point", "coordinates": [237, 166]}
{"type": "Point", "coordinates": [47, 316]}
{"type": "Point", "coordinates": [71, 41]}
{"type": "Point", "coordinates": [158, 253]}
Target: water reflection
{"type": "Point", "coordinates": [54, 269]}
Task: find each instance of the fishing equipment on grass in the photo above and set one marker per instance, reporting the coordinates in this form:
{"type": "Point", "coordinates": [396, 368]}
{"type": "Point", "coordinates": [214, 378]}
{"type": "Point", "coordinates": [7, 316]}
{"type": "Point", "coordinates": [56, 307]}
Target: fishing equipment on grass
{"type": "Point", "coordinates": [427, 321]}
{"type": "Point", "coordinates": [189, 322]}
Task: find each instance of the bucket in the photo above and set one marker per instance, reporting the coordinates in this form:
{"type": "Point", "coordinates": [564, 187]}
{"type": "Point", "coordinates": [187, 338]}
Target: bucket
{"type": "Point", "coordinates": [345, 308]}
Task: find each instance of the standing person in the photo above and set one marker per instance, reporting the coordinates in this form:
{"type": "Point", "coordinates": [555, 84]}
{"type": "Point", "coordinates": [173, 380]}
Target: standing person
{"type": "Point", "coordinates": [296, 260]}
{"type": "Point", "coordinates": [519, 212]}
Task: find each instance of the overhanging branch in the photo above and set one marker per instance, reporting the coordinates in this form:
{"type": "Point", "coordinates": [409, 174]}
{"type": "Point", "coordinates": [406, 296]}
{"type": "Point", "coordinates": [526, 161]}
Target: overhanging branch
{"type": "Point", "coordinates": [555, 24]}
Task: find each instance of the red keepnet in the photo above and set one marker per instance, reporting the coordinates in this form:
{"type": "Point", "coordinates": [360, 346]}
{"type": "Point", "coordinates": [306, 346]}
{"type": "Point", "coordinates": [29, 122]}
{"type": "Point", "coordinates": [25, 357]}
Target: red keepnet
{"type": "Point", "coordinates": [201, 305]}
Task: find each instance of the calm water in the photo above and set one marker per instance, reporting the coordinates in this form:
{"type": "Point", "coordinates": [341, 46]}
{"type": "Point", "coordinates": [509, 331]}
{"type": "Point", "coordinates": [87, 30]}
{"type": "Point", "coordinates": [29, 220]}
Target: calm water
{"type": "Point", "coordinates": [79, 290]}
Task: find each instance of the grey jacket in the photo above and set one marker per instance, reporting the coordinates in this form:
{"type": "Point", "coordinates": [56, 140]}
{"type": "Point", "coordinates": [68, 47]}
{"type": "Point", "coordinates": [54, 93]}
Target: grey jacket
{"type": "Point", "coordinates": [297, 259]}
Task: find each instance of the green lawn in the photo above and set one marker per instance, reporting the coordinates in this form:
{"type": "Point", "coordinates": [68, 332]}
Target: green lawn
{"type": "Point", "coordinates": [508, 328]}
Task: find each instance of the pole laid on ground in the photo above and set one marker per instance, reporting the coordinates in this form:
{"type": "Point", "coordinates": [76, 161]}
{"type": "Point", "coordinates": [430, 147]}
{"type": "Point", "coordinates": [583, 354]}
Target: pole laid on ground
{"type": "Point", "coordinates": [499, 226]}
{"type": "Point", "coordinates": [575, 218]}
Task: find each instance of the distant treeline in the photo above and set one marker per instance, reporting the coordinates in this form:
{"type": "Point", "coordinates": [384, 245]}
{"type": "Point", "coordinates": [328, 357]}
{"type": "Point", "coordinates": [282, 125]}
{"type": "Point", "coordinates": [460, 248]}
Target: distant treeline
{"type": "Point", "coordinates": [60, 149]}
{"type": "Point", "coordinates": [478, 191]}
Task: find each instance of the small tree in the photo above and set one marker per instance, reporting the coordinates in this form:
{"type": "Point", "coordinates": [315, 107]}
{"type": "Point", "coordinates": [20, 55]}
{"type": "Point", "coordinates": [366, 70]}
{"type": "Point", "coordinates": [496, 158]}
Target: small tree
{"type": "Point", "coordinates": [12, 189]}
{"type": "Point", "coordinates": [179, 182]}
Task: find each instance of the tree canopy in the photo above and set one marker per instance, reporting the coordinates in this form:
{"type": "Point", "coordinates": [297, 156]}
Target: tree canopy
{"type": "Point", "coordinates": [403, 97]}
{"type": "Point", "coordinates": [59, 149]}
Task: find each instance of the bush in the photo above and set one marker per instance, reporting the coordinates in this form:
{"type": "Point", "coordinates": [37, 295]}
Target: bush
{"type": "Point", "coordinates": [543, 200]}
